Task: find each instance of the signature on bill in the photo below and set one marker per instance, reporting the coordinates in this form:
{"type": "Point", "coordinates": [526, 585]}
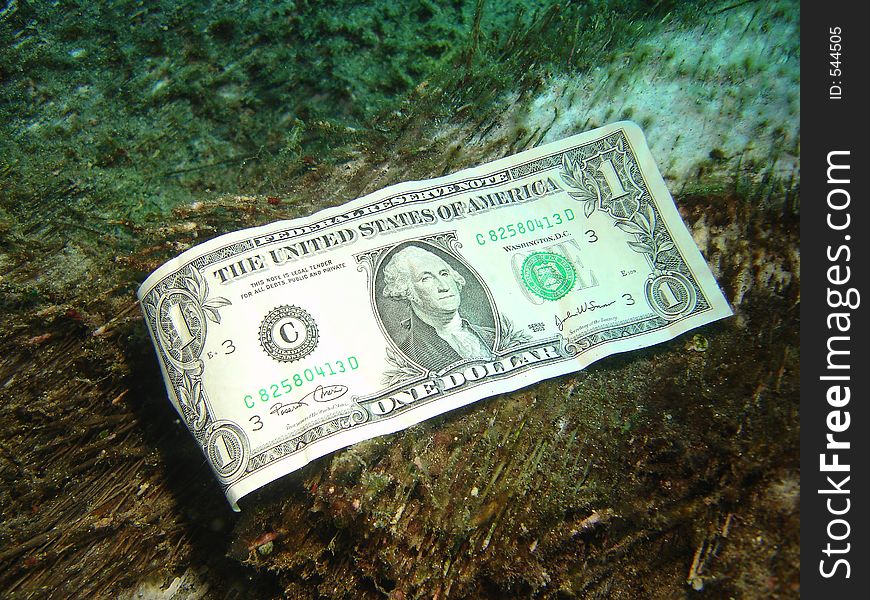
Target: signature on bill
{"type": "Point", "coordinates": [322, 393]}
{"type": "Point", "coordinates": [589, 306]}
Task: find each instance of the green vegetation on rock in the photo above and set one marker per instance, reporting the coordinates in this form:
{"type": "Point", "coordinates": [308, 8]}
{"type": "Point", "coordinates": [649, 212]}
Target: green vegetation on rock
{"type": "Point", "coordinates": [132, 130]}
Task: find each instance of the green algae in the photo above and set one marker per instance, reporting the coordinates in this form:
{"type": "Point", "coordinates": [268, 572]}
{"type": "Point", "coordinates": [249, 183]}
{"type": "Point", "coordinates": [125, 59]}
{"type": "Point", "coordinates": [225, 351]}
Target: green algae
{"type": "Point", "coordinates": [123, 145]}
{"type": "Point", "coordinates": [129, 109]}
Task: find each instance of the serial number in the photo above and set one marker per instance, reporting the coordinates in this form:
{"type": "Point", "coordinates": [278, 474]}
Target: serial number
{"type": "Point", "coordinates": [274, 391]}
{"type": "Point", "coordinates": [512, 230]}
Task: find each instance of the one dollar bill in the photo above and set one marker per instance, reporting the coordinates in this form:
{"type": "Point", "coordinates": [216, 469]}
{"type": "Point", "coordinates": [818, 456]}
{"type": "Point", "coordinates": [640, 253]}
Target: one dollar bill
{"type": "Point", "coordinates": [282, 343]}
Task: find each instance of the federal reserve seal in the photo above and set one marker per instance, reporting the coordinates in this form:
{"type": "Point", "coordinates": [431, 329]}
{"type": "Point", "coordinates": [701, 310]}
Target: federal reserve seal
{"type": "Point", "coordinates": [288, 333]}
{"type": "Point", "coordinates": [548, 275]}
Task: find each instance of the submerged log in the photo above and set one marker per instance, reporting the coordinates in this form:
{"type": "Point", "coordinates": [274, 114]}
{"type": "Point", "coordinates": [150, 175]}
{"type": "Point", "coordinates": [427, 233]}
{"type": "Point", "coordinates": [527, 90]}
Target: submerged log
{"type": "Point", "coordinates": [647, 475]}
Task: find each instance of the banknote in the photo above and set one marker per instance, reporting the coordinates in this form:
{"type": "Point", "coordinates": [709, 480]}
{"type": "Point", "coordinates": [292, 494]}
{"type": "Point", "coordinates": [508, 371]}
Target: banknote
{"type": "Point", "coordinates": [280, 344]}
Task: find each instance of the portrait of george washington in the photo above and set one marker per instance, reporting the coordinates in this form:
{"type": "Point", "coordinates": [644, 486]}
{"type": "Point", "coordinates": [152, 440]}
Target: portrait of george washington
{"type": "Point", "coordinates": [435, 314]}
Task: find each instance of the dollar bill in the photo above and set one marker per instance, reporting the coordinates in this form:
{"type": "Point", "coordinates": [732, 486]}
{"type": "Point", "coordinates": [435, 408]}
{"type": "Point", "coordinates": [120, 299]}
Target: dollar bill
{"type": "Point", "coordinates": [280, 344]}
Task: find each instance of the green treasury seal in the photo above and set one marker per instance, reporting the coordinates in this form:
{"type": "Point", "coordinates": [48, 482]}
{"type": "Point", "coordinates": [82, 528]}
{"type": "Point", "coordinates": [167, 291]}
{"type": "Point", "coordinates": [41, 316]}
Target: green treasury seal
{"type": "Point", "coordinates": [548, 275]}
